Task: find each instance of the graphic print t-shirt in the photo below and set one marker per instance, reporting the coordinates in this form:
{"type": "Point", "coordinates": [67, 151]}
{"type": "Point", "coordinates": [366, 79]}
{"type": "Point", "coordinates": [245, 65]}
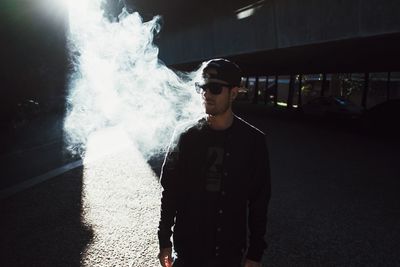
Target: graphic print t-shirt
{"type": "Point", "coordinates": [214, 161]}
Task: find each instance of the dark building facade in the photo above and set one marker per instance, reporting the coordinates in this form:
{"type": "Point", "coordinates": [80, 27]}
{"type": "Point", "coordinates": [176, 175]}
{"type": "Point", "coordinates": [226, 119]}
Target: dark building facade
{"type": "Point", "coordinates": [346, 48]}
{"type": "Point", "coordinates": [339, 41]}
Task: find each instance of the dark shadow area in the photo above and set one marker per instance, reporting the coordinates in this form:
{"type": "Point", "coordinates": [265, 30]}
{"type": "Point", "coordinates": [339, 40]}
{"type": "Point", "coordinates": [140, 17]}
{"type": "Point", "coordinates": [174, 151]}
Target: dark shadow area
{"type": "Point", "coordinates": [382, 120]}
{"type": "Point", "coordinates": [43, 226]}
{"type": "Point", "coordinates": [33, 89]}
{"type": "Point", "coordinates": [34, 63]}
{"type": "Point", "coordinates": [34, 149]}
{"type": "Point", "coordinates": [378, 123]}
{"type": "Point", "coordinates": [369, 54]}
{"type": "Point", "coordinates": [334, 195]}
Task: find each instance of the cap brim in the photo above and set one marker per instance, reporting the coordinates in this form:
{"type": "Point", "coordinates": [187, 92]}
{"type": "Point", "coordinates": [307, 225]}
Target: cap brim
{"type": "Point", "coordinates": [208, 81]}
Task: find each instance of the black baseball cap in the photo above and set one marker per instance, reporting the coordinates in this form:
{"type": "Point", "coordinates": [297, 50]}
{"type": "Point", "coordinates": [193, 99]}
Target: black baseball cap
{"type": "Point", "coordinates": [222, 71]}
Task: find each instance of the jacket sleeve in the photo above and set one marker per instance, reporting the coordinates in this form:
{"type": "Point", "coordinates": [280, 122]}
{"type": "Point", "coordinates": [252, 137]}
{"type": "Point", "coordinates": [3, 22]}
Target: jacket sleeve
{"type": "Point", "coordinates": [170, 175]}
{"type": "Point", "coordinates": [258, 203]}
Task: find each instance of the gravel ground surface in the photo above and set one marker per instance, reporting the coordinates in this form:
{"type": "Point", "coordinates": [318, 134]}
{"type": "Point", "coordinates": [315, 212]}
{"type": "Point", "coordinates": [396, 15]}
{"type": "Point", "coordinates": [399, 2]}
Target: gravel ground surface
{"type": "Point", "coordinates": [334, 203]}
{"type": "Point", "coordinates": [121, 203]}
{"type": "Point", "coordinates": [335, 196]}
{"type": "Point", "coordinates": [103, 214]}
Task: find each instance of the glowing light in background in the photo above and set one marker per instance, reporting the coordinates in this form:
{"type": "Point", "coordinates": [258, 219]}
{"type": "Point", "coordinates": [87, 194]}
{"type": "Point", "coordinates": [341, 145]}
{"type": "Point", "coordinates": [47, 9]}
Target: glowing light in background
{"type": "Point", "coordinates": [249, 10]}
{"type": "Point", "coordinates": [117, 80]}
{"type": "Point", "coordinates": [71, 4]}
{"type": "Point", "coordinates": [245, 13]}
{"type": "Point", "coordinates": [123, 106]}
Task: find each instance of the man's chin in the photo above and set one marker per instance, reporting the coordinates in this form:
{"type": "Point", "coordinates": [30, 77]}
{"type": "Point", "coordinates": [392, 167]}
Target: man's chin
{"type": "Point", "coordinates": [209, 109]}
{"type": "Point", "coordinates": [210, 112]}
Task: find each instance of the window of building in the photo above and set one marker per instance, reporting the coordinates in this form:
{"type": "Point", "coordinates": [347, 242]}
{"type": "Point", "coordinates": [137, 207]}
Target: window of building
{"type": "Point", "coordinates": [283, 89]}
{"type": "Point", "coordinates": [334, 87]}
{"type": "Point", "coordinates": [377, 88]}
{"type": "Point", "coordinates": [244, 94]}
{"type": "Point", "coordinates": [262, 85]}
{"type": "Point", "coordinates": [296, 91]}
{"type": "Point", "coordinates": [270, 90]}
{"type": "Point", "coordinates": [251, 87]}
{"type": "Point", "coordinates": [311, 87]}
{"type": "Point", "coordinates": [352, 87]}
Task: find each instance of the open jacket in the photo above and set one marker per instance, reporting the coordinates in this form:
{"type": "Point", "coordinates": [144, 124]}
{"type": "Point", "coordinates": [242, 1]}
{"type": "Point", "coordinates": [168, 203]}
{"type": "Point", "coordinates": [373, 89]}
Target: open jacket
{"type": "Point", "coordinates": [224, 218]}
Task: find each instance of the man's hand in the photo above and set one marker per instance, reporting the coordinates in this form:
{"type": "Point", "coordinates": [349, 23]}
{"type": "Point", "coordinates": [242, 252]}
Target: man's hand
{"type": "Point", "coordinates": [165, 257]}
{"type": "Point", "coordinates": [250, 263]}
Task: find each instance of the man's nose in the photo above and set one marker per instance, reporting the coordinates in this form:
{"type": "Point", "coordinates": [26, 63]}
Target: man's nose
{"type": "Point", "coordinates": [206, 93]}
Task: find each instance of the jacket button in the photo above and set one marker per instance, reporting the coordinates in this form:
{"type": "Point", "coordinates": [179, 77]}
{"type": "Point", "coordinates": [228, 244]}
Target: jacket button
{"type": "Point", "coordinates": [220, 211]}
{"type": "Point", "coordinates": [219, 229]}
{"type": "Point", "coordinates": [223, 193]}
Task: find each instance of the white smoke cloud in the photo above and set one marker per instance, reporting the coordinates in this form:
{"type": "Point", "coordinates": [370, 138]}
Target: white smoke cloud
{"type": "Point", "coordinates": [117, 80]}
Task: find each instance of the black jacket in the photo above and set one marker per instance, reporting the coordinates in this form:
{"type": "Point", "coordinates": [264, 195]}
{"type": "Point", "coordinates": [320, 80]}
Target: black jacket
{"type": "Point", "coordinates": [216, 186]}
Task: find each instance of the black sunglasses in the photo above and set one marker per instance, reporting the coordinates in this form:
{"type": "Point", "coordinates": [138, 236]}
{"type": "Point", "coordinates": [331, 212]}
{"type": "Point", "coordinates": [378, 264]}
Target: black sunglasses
{"type": "Point", "coordinates": [214, 88]}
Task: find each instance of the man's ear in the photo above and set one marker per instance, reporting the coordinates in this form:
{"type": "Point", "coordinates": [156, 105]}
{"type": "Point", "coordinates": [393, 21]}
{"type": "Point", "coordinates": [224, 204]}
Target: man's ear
{"type": "Point", "coordinates": [234, 93]}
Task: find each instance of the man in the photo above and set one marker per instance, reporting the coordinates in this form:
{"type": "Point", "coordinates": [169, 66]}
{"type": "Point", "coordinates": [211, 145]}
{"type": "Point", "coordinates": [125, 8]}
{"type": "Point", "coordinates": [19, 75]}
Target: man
{"type": "Point", "coordinates": [216, 183]}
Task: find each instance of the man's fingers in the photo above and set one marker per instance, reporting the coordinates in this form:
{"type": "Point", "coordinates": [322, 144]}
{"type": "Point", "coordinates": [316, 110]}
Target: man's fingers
{"type": "Point", "coordinates": [165, 257]}
{"type": "Point", "coordinates": [164, 261]}
{"type": "Point", "coordinates": [168, 262]}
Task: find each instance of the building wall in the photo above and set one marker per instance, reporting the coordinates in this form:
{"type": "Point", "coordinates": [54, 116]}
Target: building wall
{"type": "Point", "coordinates": [274, 25]}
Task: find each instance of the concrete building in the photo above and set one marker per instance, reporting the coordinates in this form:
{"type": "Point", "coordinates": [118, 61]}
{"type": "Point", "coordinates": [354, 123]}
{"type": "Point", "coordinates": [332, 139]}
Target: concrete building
{"type": "Point", "coordinates": [284, 40]}
{"type": "Point", "coordinates": [290, 37]}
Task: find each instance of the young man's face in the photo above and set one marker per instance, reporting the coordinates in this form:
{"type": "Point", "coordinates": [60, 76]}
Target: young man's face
{"type": "Point", "coordinates": [218, 104]}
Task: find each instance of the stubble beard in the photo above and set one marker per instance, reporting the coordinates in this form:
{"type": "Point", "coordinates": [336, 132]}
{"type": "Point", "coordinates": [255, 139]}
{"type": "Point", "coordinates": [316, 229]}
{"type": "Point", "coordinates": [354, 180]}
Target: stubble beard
{"type": "Point", "coordinates": [215, 111]}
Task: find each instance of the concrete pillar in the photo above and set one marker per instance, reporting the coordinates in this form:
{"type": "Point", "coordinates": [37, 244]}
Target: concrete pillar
{"type": "Point", "coordinates": [334, 86]}
{"type": "Point", "coordinates": [323, 85]}
{"type": "Point", "coordinates": [256, 90]}
{"type": "Point", "coordinates": [365, 91]}
{"type": "Point", "coordinates": [388, 86]}
{"type": "Point", "coordinates": [291, 92]}
{"type": "Point", "coordinates": [276, 91]}
{"type": "Point", "coordinates": [299, 104]}
{"type": "Point", "coordinates": [266, 91]}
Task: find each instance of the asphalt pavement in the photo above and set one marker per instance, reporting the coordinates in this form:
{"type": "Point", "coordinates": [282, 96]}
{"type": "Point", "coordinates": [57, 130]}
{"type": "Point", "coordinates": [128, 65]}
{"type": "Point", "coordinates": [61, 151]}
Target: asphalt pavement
{"type": "Point", "coordinates": [334, 203]}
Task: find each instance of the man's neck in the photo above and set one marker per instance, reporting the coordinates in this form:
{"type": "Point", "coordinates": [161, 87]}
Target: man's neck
{"type": "Point", "coordinates": [222, 121]}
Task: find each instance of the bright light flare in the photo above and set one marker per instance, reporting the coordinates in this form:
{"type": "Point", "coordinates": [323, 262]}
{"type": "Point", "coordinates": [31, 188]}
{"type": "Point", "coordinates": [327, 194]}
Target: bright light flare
{"type": "Point", "coordinates": [249, 10]}
{"type": "Point", "coordinates": [71, 3]}
{"type": "Point", "coordinates": [118, 81]}
{"type": "Point", "coordinates": [245, 13]}
{"type": "Point", "coordinates": [105, 143]}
